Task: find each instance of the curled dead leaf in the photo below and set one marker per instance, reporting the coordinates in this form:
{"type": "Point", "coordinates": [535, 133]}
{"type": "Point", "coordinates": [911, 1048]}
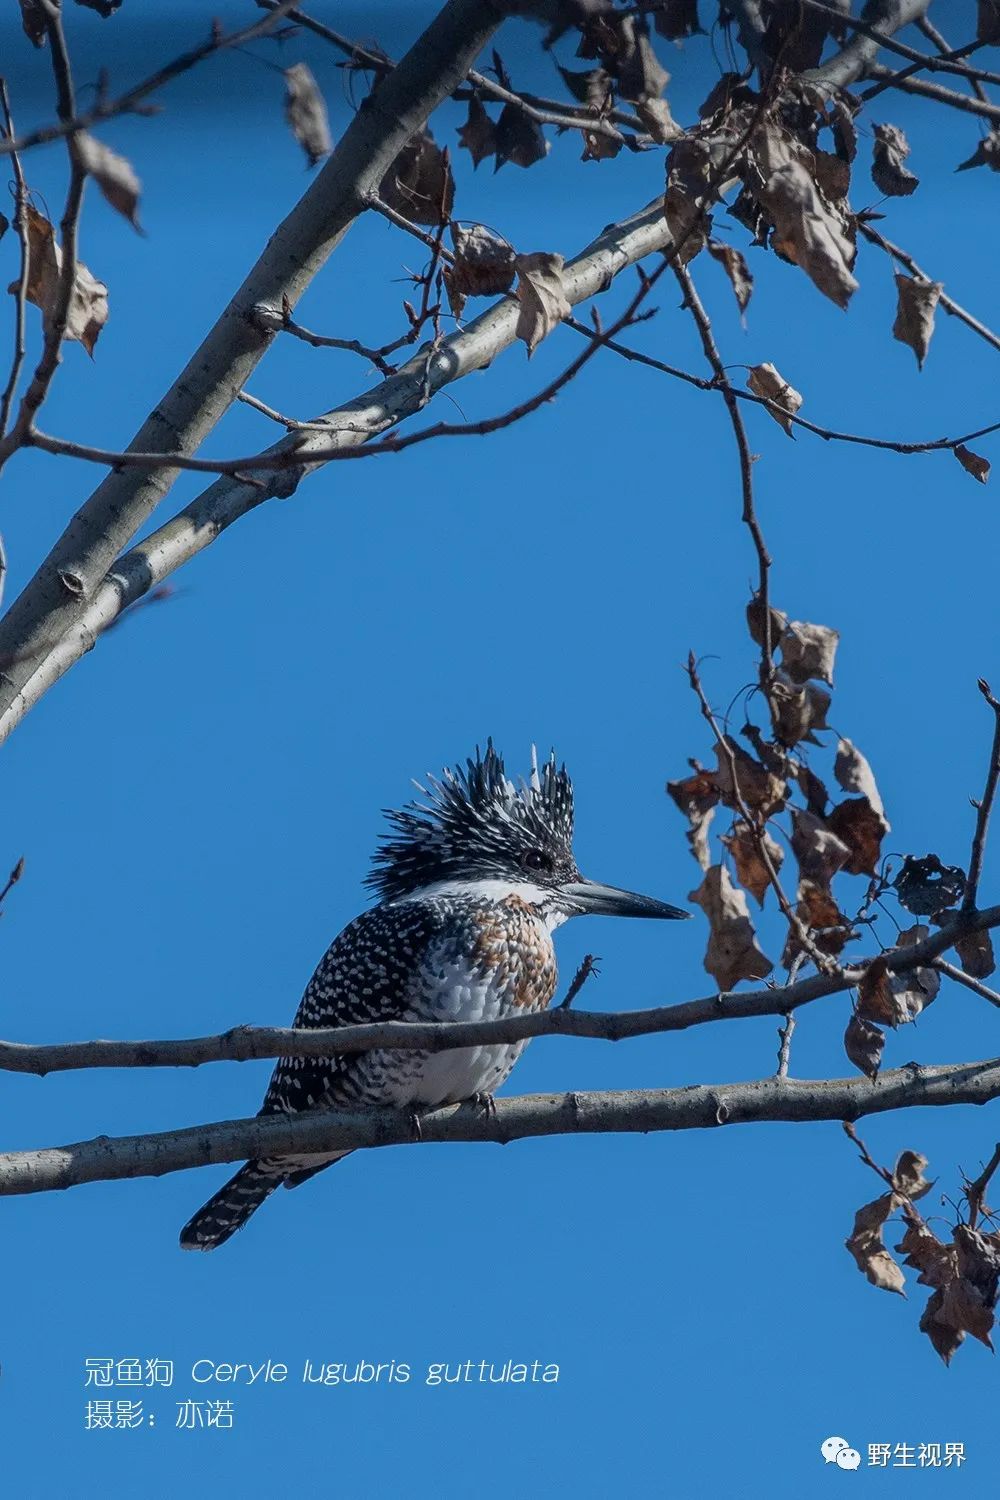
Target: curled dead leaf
{"type": "Point", "coordinates": [540, 292]}
{"type": "Point", "coordinates": [419, 184]}
{"type": "Point", "coordinates": [868, 1249]}
{"type": "Point", "coordinates": [796, 712]}
{"type": "Point", "coordinates": [864, 1043]}
{"type": "Point", "coordinates": [484, 265]}
{"type": "Point", "coordinates": [888, 173]}
{"type": "Point", "coordinates": [975, 950]}
{"type": "Point", "coordinates": [519, 139]}
{"type": "Point", "coordinates": [972, 463]}
{"type": "Point", "coordinates": [808, 651]}
{"type": "Point", "coordinates": [740, 778]}
{"type": "Point", "coordinates": [923, 1251]}
{"type": "Point", "coordinates": [782, 399]}
{"type": "Point", "coordinates": [697, 797]}
{"type": "Point", "coordinates": [876, 1001]}
{"type": "Point", "coordinates": [751, 870]}
{"type": "Point", "coordinates": [677, 19]}
{"type": "Point", "coordinates": [914, 325]}
{"type": "Point", "coordinates": [305, 111]}
{"type": "Point", "coordinates": [809, 230]}
{"type": "Point", "coordinates": [88, 305]}
{"type": "Point", "coordinates": [908, 1175]}
{"type": "Point", "coordinates": [945, 1338]}
{"type": "Point", "coordinates": [819, 851]}
{"type": "Point", "coordinates": [854, 774]}
{"type": "Point", "coordinates": [926, 886]}
{"type": "Point", "coordinates": [755, 622]}
{"type": "Point", "coordinates": [857, 824]}
{"type": "Point", "coordinates": [114, 175]}
{"type": "Point", "coordinates": [734, 264]}
{"type": "Point", "coordinates": [733, 953]}
{"type": "Point", "coordinates": [819, 913]}
{"type": "Point", "coordinates": [478, 135]}
{"type": "Point", "coordinates": [986, 154]}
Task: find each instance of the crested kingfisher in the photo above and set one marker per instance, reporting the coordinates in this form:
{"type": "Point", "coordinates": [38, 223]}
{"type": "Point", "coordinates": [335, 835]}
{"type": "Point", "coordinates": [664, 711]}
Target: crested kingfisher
{"type": "Point", "coordinates": [471, 883]}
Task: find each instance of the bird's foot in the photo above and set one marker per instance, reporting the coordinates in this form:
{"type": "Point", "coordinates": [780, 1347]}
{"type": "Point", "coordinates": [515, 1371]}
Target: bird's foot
{"type": "Point", "coordinates": [485, 1101]}
{"type": "Point", "coordinates": [416, 1128]}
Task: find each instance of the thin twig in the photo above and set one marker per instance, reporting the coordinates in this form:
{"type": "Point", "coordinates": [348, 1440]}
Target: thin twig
{"type": "Point", "coordinates": [588, 966]}
{"type": "Point", "coordinates": [985, 805]}
{"type": "Point", "coordinates": [926, 90]}
{"type": "Point", "coordinates": [289, 423]}
{"type": "Point", "coordinates": [961, 977]}
{"type": "Point", "coordinates": [934, 36]}
{"type": "Point", "coordinates": [21, 288]}
{"type": "Point", "coordinates": [131, 101]}
{"type": "Point", "coordinates": [12, 880]}
{"type": "Point", "coordinates": [975, 1192]}
{"type": "Point", "coordinates": [785, 1045]}
{"type": "Point", "coordinates": [828, 434]}
{"type": "Point", "coordinates": [947, 303]}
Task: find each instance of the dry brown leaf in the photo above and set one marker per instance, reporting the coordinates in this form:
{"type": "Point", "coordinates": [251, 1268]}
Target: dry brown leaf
{"type": "Point", "coordinates": [655, 115]}
{"type": "Point", "coordinates": [483, 266]}
{"type": "Point", "coordinates": [914, 325]}
{"type": "Point", "coordinates": [972, 463]}
{"type": "Point", "coordinates": [820, 914]}
{"type": "Point", "coordinates": [697, 797]}
{"type": "Point", "coordinates": [688, 194]}
{"type": "Point", "coordinates": [733, 953]}
{"type": "Point", "coordinates": [862, 829]}
{"type": "Point", "coordinates": [888, 173]}
{"type": "Point", "coordinates": [519, 139]}
{"type": "Point", "coordinates": [810, 786]}
{"type": "Point", "coordinates": [540, 292]}
{"type": "Point", "coordinates": [917, 988]}
{"type": "Point", "coordinates": [419, 184]}
{"type": "Point", "coordinates": [819, 851]}
{"type": "Point", "coordinates": [908, 1175]}
{"type": "Point", "coordinates": [926, 886]}
{"type": "Point", "coordinates": [755, 622]}
{"type": "Point", "coordinates": [975, 950]}
{"type": "Point", "coordinates": [759, 789]}
{"type": "Point", "coordinates": [114, 175]}
{"type": "Point", "coordinates": [833, 174]}
{"type": "Point", "coordinates": [305, 111]}
{"type": "Point", "coordinates": [88, 307]}
{"type": "Point", "coordinates": [808, 229]}
{"type": "Point", "coordinates": [854, 774]}
{"type": "Point", "coordinates": [865, 1244]}
{"type": "Point", "coordinates": [923, 1251]}
{"type": "Point", "coordinates": [841, 122]}
{"type": "Point", "coordinates": [599, 147]}
{"type": "Point", "coordinates": [592, 88]}
{"type": "Point", "coordinates": [943, 1336]}
{"type": "Point", "coordinates": [677, 19]}
{"type": "Point", "coordinates": [751, 871]}
{"type": "Point", "coordinates": [783, 400]}
{"type": "Point", "coordinates": [986, 154]}
{"type": "Point", "coordinates": [796, 712]}
{"type": "Point", "coordinates": [734, 264]}
{"type": "Point", "coordinates": [863, 1044]}
{"type": "Point", "coordinates": [964, 1308]}
{"type": "Point", "coordinates": [638, 69]}
{"type": "Point", "coordinates": [978, 1258]}
{"type": "Point", "coordinates": [478, 135]}
{"type": "Point", "coordinates": [876, 1001]}
{"type": "Point", "coordinates": [808, 651]}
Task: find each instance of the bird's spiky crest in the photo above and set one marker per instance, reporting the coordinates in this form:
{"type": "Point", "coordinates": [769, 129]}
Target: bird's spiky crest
{"type": "Point", "coordinates": [476, 822]}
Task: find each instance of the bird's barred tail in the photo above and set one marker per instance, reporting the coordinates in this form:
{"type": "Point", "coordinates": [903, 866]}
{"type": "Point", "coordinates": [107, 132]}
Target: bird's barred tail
{"type": "Point", "coordinates": [230, 1208]}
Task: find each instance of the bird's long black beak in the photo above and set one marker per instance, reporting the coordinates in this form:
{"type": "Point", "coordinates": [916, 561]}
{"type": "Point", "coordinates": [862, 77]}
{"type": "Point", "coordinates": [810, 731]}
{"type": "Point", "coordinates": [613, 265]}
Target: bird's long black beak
{"type": "Point", "coordinates": [593, 899]}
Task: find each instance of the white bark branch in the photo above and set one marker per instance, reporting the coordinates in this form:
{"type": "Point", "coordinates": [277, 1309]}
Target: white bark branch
{"type": "Point", "coordinates": [250, 1043]}
{"type": "Point", "coordinates": [62, 591]}
{"type": "Point", "coordinates": [349, 425]}
{"type": "Point", "coordinates": [856, 57]}
{"type": "Point", "coordinates": [642, 1110]}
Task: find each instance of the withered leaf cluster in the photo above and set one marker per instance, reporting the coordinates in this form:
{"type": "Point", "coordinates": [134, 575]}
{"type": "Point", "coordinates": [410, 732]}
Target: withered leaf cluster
{"type": "Point", "coordinates": [963, 1272]}
{"type": "Point", "coordinates": [87, 312]}
{"type": "Point", "coordinates": [305, 111]}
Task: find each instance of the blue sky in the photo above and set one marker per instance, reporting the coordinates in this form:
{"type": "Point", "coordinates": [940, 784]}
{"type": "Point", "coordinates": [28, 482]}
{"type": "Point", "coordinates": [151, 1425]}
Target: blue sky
{"type": "Point", "coordinates": [197, 802]}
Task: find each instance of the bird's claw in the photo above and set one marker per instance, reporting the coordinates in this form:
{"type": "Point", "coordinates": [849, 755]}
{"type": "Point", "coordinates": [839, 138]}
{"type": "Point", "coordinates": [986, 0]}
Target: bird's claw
{"type": "Point", "coordinates": [485, 1101]}
{"type": "Point", "coordinates": [416, 1129]}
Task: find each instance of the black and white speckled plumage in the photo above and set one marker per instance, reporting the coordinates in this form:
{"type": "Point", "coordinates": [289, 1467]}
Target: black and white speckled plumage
{"type": "Point", "coordinates": [472, 883]}
{"type": "Point", "coordinates": [463, 933]}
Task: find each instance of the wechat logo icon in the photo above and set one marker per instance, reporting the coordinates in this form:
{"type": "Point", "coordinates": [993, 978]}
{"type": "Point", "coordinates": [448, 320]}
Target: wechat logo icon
{"type": "Point", "coordinates": [837, 1450]}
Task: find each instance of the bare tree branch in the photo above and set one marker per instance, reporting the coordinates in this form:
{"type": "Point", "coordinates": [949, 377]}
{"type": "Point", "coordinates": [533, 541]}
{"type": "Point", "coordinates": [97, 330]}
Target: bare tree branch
{"type": "Point", "coordinates": [944, 301]}
{"type": "Point", "coordinates": [251, 1043]}
{"type": "Point", "coordinates": [348, 426]}
{"type": "Point", "coordinates": [985, 806]}
{"type": "Point", "coordinates": [887, 78]}
{"type": "Point", "coordinates": [61, 592]}
{"type": "Point", "coordinates": [880, 19]}
{"type": "Point", "coordinates": [702, 1107]}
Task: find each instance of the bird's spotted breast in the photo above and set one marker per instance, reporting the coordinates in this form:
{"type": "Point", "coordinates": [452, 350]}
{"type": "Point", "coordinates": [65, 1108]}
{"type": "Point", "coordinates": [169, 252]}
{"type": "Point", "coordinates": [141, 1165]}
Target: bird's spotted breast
{"type": "Point", "coordinates": [514, 946]}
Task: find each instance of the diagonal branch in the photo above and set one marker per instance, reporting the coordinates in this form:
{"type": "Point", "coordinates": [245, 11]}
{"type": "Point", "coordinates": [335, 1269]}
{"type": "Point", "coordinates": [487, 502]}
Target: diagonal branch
{"type": "Point", "coordinates": [702, 1107]}
{"type": "Point", "coordinates": [345, 427]}
{"type": "Point", "coordinates": [56, 600]}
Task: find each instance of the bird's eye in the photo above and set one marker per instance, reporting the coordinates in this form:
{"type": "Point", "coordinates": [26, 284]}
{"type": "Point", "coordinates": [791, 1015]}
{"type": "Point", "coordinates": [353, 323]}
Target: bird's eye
{"type": "Point", "coordinates": [534, 859]}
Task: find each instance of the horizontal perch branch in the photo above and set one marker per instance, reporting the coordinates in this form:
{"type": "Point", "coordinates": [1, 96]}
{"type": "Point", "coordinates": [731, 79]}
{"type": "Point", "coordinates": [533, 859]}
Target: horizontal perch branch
{"type": "Point", "coordinates": [635, 1111]}
{"type": "Point", "coordinates": [250, 1043]}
